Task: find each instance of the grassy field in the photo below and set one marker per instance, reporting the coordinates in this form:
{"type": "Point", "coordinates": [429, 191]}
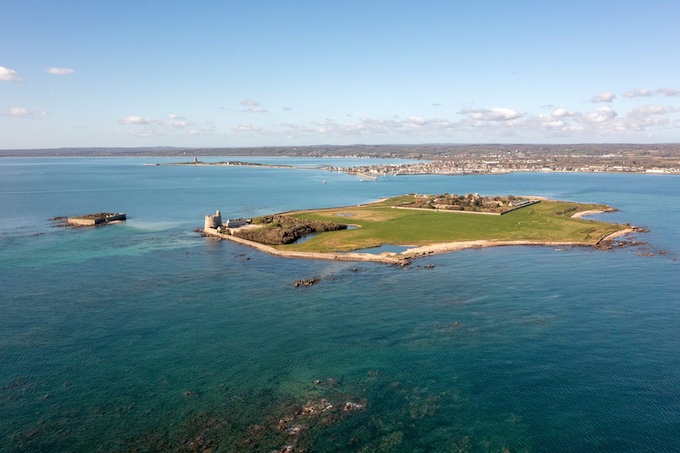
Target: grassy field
{"type": "Point", "coordinates": [380, 223]}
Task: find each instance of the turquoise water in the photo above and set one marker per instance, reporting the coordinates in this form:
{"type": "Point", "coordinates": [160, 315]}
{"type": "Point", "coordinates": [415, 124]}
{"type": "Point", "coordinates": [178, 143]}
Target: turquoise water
{"type": "Point", "coordinates": [143, 336]}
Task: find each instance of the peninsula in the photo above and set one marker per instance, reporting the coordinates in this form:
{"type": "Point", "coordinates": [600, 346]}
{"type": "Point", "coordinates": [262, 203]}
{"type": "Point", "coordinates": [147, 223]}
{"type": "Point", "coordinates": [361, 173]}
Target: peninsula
{"type": "Point", "coordinates": [230, 163]}
{"type": "Point", "coordinates": [419, 225]}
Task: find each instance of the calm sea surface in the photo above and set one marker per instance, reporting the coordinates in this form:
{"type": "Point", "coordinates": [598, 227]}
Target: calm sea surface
{"type": "Point", "coordinates": [143, 336]}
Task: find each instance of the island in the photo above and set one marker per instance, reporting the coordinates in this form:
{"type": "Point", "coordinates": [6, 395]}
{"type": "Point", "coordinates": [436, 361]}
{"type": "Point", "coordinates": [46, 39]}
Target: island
{"type": "Point", "coordinates": [416, 225]}
{"type": "Point", "coordinates": [87, 220]}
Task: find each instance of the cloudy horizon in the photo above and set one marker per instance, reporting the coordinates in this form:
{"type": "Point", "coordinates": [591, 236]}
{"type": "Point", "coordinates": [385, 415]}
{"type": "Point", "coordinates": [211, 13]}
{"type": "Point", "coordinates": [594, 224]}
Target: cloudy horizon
{"type": "Point", "coordinates": [227, 76]}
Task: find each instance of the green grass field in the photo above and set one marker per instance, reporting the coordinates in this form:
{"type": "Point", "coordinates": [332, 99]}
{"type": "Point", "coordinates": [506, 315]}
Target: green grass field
{"type": "Point", "coordinates": [380, 224]}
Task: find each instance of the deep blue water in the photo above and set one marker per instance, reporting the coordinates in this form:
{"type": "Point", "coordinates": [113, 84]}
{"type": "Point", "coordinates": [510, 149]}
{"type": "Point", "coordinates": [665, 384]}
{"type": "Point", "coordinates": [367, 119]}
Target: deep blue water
{"type": "Point", "coordinates": [144, 336]}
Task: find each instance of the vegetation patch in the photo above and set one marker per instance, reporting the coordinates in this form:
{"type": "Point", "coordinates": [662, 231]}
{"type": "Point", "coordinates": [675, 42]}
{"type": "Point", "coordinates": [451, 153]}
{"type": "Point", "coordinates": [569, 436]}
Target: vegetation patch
{"type": "Point", "coordinates": [283, 229]}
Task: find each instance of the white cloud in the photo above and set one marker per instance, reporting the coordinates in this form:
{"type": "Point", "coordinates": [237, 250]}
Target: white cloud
{"type": "Point", "coordinates": [606, 96]}
{"type": "Point", "coordinates": [253, 107]}
{"type": "Point", "coordinates": [649, 93]}
{"type": "Point", "coordinates": [9, 75]}
{"type": "Point", "coordinates": [131, 119]}
{"type": "Point", "coordinates": [145, 133]}
{"type": "Point", "coordinates": [417, 120]}
{"type": "Point", "coordinates": [600, 115]}
{"type": "Point", "coordinates": [496, 124]}
{"type": "Point", "coordinates": [647, 116]}
{"type": "Point", "coordinates": [668, 92]}
{"type": "Point", "coordinates": [646, 110]}
{"type": "Point", "coordinates": [172, 126]}
{"type": "Point", "coordinates": [246, 128]}
{"type": "Point", "coordinates": [17, 112]}
{"type": "Point", "coordinates": [175, 121]}
{"type": "Point", "coordinates": [203, 129]}
{"type": "Point", "coordinates": [178, 124]}
{"type": "Point", "coordinates": [368, 127]}
{"type": "Point", "coordinates": [59, 71]}
{"type": "Point", "coordinates": [556, 124]}
{"type": "Point", "coordinates": [643, 93]}
{"type": "Point", "coordinates": [20, 112]}
{"type": "Point", "coordinates": [561, 113]}
{"type": "Point", "coordinates": [493, 114]}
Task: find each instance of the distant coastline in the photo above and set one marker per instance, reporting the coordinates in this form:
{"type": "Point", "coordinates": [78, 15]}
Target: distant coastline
{"type": "Point", "coordinates": [428, 159]}
{"type": "Point", "coordinates": [196, 163]}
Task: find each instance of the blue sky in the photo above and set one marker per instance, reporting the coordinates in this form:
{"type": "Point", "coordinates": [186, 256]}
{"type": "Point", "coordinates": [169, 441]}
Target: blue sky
{"type": "Point", "coordinates": [266, 73]}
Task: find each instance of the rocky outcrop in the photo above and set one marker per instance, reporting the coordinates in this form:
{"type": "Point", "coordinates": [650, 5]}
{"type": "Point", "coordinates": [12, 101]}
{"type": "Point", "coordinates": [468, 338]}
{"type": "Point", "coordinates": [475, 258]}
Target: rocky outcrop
{"type": "Point", "coordinates": [309, 282]}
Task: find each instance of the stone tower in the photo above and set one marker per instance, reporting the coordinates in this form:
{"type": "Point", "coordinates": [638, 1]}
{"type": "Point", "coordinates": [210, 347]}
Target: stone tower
{"type": "Point", "coordinates": [213, 221]}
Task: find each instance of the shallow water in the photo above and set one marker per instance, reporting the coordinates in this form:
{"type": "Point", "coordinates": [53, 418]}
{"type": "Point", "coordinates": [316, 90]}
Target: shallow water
{"type": "Point", "coordinates": [143, 336]}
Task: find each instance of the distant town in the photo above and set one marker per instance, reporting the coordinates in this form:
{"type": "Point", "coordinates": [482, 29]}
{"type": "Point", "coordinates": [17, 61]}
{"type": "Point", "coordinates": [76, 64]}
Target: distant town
{"type": "Point", "coordinates": [430, 158]}
{"type": "Point", "coordinates": [530, 161]}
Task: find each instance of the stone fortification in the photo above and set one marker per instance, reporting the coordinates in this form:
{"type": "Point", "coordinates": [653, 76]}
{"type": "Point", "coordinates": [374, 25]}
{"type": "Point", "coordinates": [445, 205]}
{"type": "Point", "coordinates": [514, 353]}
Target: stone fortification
{"type": "Point", "coordinates": [213, 221]}
{"type": "Point", "coordinates": [101, 218]}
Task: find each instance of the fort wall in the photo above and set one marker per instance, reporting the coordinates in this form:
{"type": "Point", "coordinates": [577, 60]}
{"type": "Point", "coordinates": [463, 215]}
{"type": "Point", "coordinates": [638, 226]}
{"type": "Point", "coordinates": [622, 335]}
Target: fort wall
{"type": "Point", "coordinates": [95, 219]}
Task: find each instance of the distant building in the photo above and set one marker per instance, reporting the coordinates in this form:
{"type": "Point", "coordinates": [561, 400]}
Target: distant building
{"type": "Point", "coordinates": [520, 203]}
{"type": "Point", "coordinates": [235, 223]}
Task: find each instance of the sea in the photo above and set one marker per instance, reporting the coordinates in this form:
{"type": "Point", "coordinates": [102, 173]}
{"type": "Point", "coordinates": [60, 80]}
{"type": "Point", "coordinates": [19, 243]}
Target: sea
{"type": "Point", "coordinates": [144, 336]}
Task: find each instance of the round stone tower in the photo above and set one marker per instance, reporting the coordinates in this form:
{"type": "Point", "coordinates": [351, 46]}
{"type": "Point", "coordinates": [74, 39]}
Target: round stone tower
{"type": "Point", "coordinates": [213, 220]}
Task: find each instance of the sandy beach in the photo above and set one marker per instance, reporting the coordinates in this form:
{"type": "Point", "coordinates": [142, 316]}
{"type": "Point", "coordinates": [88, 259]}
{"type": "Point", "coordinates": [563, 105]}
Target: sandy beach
{"type": "Point", "coordinates": [580, 215]}
{"type": "Point", "coordinates": [618, 234]}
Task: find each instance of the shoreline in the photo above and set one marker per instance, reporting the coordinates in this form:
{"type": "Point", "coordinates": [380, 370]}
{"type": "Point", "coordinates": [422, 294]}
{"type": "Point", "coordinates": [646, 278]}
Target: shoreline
{"type": "Point", "coordinates": [407, 256]}
{"type": "Point", "coordinates": [618, 234]}
{"type": "Point", "coordinates": [386, 257]}
{"type": "Point", "coordinates": [582, 214]}
{"type": "Point", "coordinates": [218, 164]}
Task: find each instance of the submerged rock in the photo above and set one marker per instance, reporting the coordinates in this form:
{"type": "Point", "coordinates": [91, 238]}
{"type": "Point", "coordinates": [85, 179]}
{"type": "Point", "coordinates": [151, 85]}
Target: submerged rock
{"type": "Point", "coordinates": [316, 407]}
{"type": "Point", "coordinates": [350, 406]}
{"type": "Point", "coordinates": [309, 282]}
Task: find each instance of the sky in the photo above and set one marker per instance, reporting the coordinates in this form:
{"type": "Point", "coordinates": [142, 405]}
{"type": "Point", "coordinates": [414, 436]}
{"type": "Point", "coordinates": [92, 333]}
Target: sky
{"type": "Point", "coordinates": [291, 73]}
